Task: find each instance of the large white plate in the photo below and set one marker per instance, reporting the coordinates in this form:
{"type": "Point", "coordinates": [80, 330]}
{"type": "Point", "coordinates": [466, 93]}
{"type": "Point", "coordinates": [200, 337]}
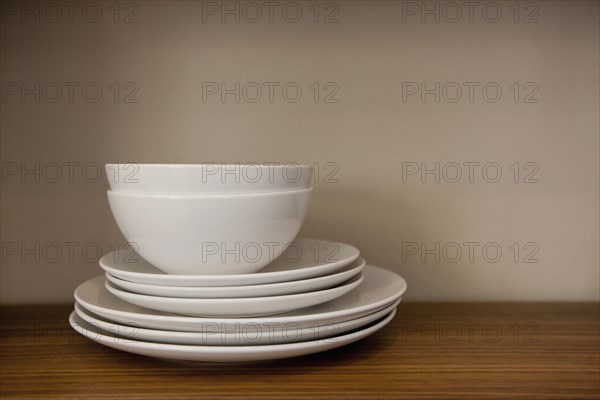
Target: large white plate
{"type": "Point", "coordinates": [251, 334]}
{"type": "Point", "coordinates": [303, 259]}
{"type": "Point", "coordinates": [269, 289]}
{"type": "Point", "coordinates": [380, 288]}
{"type": "Point", "coordinates": [238, 307]}
{"type": "Point", "coordinates": [224, 353]}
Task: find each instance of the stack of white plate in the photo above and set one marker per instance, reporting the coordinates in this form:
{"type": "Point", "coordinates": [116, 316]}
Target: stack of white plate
{"type": "Point", "coordinates": [208, 292]}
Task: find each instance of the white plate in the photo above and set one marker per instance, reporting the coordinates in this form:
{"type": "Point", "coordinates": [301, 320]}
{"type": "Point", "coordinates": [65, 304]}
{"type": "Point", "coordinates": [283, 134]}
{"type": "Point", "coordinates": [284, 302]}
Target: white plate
{"type": "Point", "coordinates": [269, 289]}
{"type": "Point", "coordinates": [250, 334]}
{"type": "Point", "coordinates": [380, 288]}
{"type": "Point", "coordinates": [239, 307]}
{"type": "Point", "coordinates": [224, 353]}
{"type": "Point", "coordinates": [303, 259]}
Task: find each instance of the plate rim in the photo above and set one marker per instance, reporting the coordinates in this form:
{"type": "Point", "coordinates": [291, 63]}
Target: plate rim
{"type": "Point", "coordinates": [189, 320]}
{"type": "Point", "coordinates": [243, 307]}
{"type": "Point", "coordinates": [253, 278]}
{"type": "Point", "coordinates": [354, 281]}
{"type": "Point", "coordinates": [80, 309]}
{"type": "Point", "coordinates": [342, 340]}
{"type": "Point", "coordinates": [356, 269]}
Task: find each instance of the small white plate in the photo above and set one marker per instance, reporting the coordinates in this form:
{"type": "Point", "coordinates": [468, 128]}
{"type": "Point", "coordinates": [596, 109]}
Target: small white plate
{"type": "Point", "coordinates": [380, 288]}
{"type": "Point", "coordinates": [250, 334]}
{"type": "Point", "coordinates": [269, 289]}
{"type": "Point", "coordinates": [238, 307]}
{"type": "Point", "coordinates": [224, 353]}
{"type": "Point", "coordinates": [303, 259]}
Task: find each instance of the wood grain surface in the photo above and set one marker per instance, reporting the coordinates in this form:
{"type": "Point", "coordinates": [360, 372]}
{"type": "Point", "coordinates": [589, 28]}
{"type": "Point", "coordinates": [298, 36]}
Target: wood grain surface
{"type": "Point", "coordinates": [429, 351]}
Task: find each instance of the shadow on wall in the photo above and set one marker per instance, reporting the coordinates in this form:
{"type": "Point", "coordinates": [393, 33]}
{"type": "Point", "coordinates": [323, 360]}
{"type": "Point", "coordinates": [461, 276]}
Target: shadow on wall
{"type": "Point", "coordinates": [382, 230]}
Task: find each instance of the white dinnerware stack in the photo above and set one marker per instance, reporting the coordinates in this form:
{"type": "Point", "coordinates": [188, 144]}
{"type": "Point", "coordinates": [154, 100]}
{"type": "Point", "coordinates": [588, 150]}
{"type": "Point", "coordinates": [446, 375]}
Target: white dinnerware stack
{"type": "Point", "coordinates": [214, 271]}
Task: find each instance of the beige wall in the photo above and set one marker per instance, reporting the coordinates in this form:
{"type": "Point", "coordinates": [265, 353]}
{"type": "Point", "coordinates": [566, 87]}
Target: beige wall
{"type": "Point", "coordinates": [371, 134]}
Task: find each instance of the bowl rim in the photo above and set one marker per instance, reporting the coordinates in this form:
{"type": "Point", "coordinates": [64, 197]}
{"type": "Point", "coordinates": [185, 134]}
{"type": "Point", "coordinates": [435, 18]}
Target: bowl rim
{"type": "Point", "coordinates": [220, 165]}
{"type": "Point", "coordinates": [117, 193]}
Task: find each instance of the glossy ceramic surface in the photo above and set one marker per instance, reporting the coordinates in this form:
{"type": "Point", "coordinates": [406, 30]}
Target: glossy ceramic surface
{"type": "Point", "coordinates": [379, 289]}
{"type": "Point", "coordinates": [235, 307]}
{"type": "Point", "coordinates": [269, 289]}
{"type": "Point", "coordinates": [224, 353]}
{"type": "Point", "coordinates": [207, 178]}
{"type": "Point", "coordinates": [303, 259]}
{"type": "Point", "coordinates": [212, 234]}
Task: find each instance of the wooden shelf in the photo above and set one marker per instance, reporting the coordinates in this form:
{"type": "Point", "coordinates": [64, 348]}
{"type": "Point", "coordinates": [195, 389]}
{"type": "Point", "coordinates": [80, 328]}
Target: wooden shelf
{"type": "Point", "coordinates": [429, 351]}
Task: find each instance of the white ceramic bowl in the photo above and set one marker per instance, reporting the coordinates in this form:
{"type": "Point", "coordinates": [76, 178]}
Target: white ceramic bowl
{"type": "Point", "coordinates": [210, 234]}
{"type": "Point", "coordinates": [207, 178]}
